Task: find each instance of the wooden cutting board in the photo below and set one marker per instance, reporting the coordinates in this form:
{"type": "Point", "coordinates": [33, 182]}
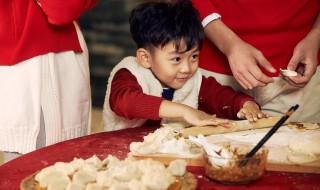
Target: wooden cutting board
{"type": "Point", "coordinates": [277, 146]}
{"type": "Point", "coordinates": [313, 167]}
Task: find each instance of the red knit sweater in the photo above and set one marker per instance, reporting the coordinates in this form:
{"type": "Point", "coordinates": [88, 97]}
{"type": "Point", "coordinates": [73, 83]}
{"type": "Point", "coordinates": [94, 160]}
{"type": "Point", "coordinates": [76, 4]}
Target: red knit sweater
{"type": "Point", "coordinates": [128, 100]}
{"type": "Point", "coordinates": [28, 30]}
{"type": "Point", "coordinates": [274, 27]}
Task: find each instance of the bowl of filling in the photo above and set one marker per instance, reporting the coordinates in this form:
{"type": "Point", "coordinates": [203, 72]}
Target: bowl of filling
{"type": "Point", "coordinates": [228, 163]}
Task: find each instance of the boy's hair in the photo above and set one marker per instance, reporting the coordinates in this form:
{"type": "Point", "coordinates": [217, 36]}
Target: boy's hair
{"type": "Point", "coordinates": [157, 23]}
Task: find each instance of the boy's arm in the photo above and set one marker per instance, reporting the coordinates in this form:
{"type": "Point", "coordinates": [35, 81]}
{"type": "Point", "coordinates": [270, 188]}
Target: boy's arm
{"type": "Point", "coordinates": [223, 101]}
{"type": "Point", "coordinates": [128, 100]}
{"type": "Point", "coordinates": [193, 116]}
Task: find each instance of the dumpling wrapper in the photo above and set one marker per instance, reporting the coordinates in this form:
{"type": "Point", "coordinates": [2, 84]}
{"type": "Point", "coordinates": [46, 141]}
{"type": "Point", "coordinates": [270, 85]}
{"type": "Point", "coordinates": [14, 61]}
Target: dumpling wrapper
{"type": "Point", "coordinates": [306, 144]}
{"type": "Point", "coordinates": [300, 158]}
{"type": "Point", "coordinates": [288, 73]}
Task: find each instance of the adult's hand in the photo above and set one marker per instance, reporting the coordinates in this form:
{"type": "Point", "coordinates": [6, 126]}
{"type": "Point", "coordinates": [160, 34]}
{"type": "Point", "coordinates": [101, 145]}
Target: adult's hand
{"type": "Point", "coordinates": [243, 58]}
{"type": "Point", "coordinates": [305, 58]}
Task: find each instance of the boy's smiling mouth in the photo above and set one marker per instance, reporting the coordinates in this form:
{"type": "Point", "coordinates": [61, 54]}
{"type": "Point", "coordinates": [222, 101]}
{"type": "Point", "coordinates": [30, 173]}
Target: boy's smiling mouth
{"type": "Point", "coordinates": [182, 79]}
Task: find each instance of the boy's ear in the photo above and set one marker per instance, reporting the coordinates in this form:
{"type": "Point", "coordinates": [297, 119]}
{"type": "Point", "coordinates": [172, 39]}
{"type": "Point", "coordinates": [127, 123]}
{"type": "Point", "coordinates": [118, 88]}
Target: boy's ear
{"type": "Point", "coordinates": [144, 58]}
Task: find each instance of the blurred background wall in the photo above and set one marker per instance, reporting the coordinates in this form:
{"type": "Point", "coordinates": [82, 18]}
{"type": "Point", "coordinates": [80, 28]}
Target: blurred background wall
{"type": "Point", "coordinates": [106, 30]}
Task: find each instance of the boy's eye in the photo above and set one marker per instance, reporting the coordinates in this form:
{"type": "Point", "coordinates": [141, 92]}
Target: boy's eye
{"type": "Point", "coordinates": [195, 56]}
{"type": "Point", "coordinates": [176, 59]}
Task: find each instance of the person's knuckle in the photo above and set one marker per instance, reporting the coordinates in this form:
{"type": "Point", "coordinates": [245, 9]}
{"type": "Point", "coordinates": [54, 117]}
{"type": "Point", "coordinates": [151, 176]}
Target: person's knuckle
{"type": "Point", "coordinates": [259, 76]}
{"type": "Point", "coordinates": [255, 83]}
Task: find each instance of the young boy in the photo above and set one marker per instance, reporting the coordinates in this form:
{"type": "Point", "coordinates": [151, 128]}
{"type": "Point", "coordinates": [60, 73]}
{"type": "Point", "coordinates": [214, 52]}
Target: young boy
{"type": "Point", "coordinates": [163, 80]}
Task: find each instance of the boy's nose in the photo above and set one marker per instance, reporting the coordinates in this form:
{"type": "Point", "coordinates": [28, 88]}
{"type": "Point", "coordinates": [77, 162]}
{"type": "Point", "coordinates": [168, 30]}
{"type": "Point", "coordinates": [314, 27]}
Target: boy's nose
{"type": "Point", "coordinates": [185, 67]}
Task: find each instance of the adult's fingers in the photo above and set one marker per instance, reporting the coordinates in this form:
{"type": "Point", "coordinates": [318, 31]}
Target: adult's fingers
{"type": "Point", "coordinates": [246, 79]}
{"type": "Point", "coordinates": [292, 83]}
{"type": "Point", "coordinates": [243, 82]}
{"type": "Point", "coordinates": [305, 72]}
{"type": "Point", "coordinates": [264, 63]}
{"type": "Point", "coordinates": [305, 77]}
{"type": "Point", "coordinates": [258, 79]}
{"type": "Point", "coordinates": [255, 76]}
{"type": "Point", "coordinates": [293, 63]}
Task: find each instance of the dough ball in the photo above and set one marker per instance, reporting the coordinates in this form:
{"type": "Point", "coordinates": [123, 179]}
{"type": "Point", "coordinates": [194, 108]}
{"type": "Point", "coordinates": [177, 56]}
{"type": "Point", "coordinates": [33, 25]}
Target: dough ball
{"type": "Point", "coordinates": [300, 158]}
{"type": "Point", "coordinates": [305, 143]}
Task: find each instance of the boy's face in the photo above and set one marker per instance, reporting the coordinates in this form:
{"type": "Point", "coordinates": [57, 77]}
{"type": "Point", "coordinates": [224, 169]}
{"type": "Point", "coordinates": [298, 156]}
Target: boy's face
{"type": "Point", "coordinates": [173, 69]}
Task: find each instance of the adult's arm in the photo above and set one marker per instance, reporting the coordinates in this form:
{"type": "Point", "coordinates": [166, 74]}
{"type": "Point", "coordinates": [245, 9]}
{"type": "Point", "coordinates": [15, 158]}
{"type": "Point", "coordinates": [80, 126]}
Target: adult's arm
{"type": "Point", "coordinates": [305, 57]}
{"type": "Point", "coordinates": [60, 12]}
{"type": "Point", "coordinates": [243, 58]}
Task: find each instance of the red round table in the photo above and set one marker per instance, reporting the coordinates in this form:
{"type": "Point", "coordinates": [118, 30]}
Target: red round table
{"type": "Point", "coordinates": [117, 143]}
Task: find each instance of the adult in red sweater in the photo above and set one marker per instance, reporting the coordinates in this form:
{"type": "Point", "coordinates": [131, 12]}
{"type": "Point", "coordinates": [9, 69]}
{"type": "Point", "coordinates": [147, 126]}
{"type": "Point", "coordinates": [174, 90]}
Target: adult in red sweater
{"type": "Point", "coordinates": [247, 42]}
{"type": "Point", "coordinates": [44, 76]}
{"type": "Point", "coordinates": [163, 80]}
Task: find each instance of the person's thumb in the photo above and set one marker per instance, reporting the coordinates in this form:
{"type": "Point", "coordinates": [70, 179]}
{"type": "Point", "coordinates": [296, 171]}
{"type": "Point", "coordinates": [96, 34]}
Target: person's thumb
{"type": "Point", "coordinates": [293, 63]}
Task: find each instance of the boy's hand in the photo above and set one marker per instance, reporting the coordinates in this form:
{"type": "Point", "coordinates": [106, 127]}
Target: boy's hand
{"type": "Point", "coordinates": [193, 116]}
{"type": "Point", "coordinates": [251, 112]}
{"type": "Point", "coordinates": [200, 118]}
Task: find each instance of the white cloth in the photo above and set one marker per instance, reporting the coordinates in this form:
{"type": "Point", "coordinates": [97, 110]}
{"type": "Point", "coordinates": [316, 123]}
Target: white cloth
{"type": "Point", "coordinates": [150, 85]}
{"type": "Point", "coordinates": [276, 98]}
{"type": "Point", "coordinates": [56, 83]}
{"type": "Point", "coordinates": [210, 18]}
